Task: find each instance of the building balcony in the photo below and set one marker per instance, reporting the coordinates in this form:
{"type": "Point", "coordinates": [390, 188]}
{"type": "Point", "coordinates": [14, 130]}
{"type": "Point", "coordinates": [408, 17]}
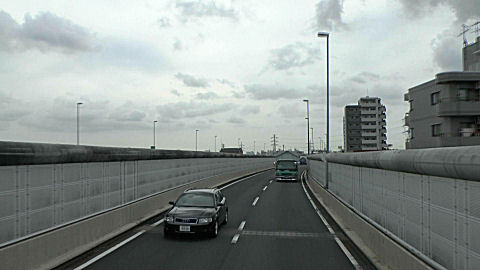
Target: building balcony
{"type": "Point", "coordinates": [373, 127]}
{"type": "Point", "coordinates": [459, 140]}
{"type": "Point", "coordinates": [369, 141]}
{"type": "Point", "coordinates": [455, 107]}
{"type": "Point", "coordinates": [369, 148]}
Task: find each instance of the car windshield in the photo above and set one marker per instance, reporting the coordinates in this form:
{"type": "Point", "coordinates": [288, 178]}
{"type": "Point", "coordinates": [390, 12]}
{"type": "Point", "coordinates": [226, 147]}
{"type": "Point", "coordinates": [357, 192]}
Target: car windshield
{"type": "Point", "coordinates": [286, 165]}
{"type": "Point", "coordinates": [196, 200]}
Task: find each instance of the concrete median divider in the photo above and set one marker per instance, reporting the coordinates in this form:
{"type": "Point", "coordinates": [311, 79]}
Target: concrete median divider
{"type": "Point", "coordinates": [384, 252]}
{"type": "Point", "coordinates": [52, 248]}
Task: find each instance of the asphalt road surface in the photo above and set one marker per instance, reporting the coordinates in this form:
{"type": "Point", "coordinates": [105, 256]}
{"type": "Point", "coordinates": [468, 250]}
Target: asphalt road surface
{"type": "Point", "coordinates": [272, 225]}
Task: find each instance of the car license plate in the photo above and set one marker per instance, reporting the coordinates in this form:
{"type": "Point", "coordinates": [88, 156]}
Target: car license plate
{"type": "Point", "coordinates": [184, 228]}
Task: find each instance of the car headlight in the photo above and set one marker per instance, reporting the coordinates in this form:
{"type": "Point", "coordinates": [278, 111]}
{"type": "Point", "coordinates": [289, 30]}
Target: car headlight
{"type": "Point", "coordinates": [169, 219]}
{"type": "Point", "coordinates": [204, 220]}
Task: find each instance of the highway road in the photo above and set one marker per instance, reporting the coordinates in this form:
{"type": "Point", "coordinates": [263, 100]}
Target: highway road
{"type": "Point", "coordinates": [272, 225]}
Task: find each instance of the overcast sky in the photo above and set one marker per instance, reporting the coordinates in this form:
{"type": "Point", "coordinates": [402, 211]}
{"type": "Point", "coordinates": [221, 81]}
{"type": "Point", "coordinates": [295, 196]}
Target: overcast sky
{"type": "Point", "coordinates": [237, 69]}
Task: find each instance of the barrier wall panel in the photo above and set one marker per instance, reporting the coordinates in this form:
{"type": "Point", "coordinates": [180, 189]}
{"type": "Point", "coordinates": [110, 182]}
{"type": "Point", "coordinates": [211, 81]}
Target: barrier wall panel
{"type": "Point", "coordinates": [437, 215]}
{"type": "Point", "coordinates": [38, 197]}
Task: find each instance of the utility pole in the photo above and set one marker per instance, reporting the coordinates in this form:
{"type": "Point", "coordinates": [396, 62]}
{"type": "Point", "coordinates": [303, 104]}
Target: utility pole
{"type": "Point", "coordinates": [313, 148]}
{"type": "Point", "coordinates": [254, 147]}
{"type": "Point", "coordinates": [283, 147]}
{"type": "Point", "coordinates": [215, 143]}
{"type": "Point", "coordinates": [264, 149]}
{"type": "Point", "coordinates": [308, 126]}
{"type": "Point", "coordinates": [274, 142]}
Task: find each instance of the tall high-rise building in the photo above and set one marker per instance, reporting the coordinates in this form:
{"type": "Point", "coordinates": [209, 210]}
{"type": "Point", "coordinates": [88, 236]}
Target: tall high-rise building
{"type": "Point", "coordinates": [364, 126]}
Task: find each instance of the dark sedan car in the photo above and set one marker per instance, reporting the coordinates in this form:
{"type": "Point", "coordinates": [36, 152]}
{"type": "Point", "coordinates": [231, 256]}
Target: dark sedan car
{"type": "Point", "coordinates": [197, 211]}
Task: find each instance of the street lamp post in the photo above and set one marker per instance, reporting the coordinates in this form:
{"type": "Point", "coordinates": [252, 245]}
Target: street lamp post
{"type": "Point", "coordinates": [154, 122]}
{"type": "Point", "coordinates": [308, 127]}
{"type": "Point", "coordinates": [327, 35]}
{"type": "Point", "coordinates": [196, 140]}
{"type": "Point", "coordinates": [78, 122]}
{"type": "Point", "coordinates": [215, 143]}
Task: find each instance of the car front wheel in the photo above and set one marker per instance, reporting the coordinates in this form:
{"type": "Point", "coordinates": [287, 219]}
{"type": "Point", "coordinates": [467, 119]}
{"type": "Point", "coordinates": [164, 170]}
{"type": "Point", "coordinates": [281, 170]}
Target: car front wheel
{"type": "Point", "coordinates": [214, 231]}
{"type": "Point", "coordinates": [226, 218]}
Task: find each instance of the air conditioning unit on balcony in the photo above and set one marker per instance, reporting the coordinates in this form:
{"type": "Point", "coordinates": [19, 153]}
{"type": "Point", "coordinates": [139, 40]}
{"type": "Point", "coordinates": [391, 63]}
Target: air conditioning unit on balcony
{"type": "Point", "coordinates": [467, 132]}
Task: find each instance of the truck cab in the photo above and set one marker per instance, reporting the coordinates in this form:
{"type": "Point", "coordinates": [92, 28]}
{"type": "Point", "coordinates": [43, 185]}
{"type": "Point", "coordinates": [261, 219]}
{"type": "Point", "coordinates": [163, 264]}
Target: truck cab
{"type": "Point", "coordinates": [286, 170]}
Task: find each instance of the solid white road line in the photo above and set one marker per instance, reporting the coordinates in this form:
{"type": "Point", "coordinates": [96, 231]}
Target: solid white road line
{"type": "Point", "coordinates": [271, 181]}
{"type": "Point", "coordinates": [158, 222]}
{"type": "Point", "coordinates": [332, 232]}
{"type": "Point", "coordinates": [110, 250]}
{"type": "Point", "coordinates": [265, 188]}
{"type": "Point", "coordinates": [255, 201]}
{"type": "Point", "coordinates": [241, 180]}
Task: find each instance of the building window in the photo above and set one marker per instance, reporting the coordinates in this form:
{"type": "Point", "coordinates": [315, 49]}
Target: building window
{"type": "Point", "coordinates": [436, 130]}
{"type": "Point", "coordinates": [411, 104]}
{"type": "Point", "coordinates": [435, 98]}
{"type": "Point", "coordinates": [466, 94]}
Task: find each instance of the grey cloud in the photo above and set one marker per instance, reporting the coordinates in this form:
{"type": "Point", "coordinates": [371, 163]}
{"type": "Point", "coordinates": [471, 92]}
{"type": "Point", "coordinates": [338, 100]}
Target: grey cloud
{"type": "Point", "coordinates": [128, 53]}
{"type": "Point", "coordinates": [293, 55]}
{"type": "Point", "coordinates": [176, 93]}
{"type": "Point", "coordinates": [329, 15]}
{"type": "Point", "coordinates": [262, 92]}
{"type": "Point", "coordinates": [96, 116]}
{"type": "Point", "coordinates": [250, 109]}
{"type": "Point", "coordinates": [464, 10]}
{"type": "Point", "coordinates": [206, 96]}
{"type": "Point", "coordinates": [365, 77]}
{"type": "Point", "coordinates": [226, 82]}
{"type": "Point", "coordinates": [163, 22]}
{"type": "Point", "coordinates": [11, 109]}
{"type": "Point", "coordinates": [447, 52]}
{"type": "Point", "coordinates": [237, 94]}
{"type": "Point", "coordinates": [191, 81]}
{"type": "Point", "coordinates": [45, 32]}
{"type": "Point", "coordinates": [127, 112]}
{"type": "Point", "coordinates": [181, 110]}
{"type": "Point", "coordinates": [197, 9]}
{"type": "Point", "coordinates": [292, 111]}
{"type": "Point", "coordinates": [236, 120]}
{"type": "Point", "coordinates": [177, 45]}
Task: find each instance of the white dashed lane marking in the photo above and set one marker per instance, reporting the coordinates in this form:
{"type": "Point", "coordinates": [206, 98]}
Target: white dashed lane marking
{"type": "Point", "coordinates": [255, 201]}
{"type": "Point", "coordinates": [237, 235]}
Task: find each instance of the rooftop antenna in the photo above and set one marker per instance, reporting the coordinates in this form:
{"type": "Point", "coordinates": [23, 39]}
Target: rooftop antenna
{"type": "Point", "coordinates": [465, 28]}
{"type": "Point", "coordinates": [477, 27]}
{"type": "Point", "coordinates": [367, 91]}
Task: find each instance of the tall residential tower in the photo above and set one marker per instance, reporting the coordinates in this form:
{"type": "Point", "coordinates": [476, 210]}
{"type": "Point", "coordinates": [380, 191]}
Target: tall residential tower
{"type": "Point", "coordinates": [364, 126]}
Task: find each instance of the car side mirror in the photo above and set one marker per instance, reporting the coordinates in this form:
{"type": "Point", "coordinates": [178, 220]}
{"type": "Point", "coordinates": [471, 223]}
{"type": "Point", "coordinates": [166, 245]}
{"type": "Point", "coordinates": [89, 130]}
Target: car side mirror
{"type": "Point", "coordinates": [171, 203]}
